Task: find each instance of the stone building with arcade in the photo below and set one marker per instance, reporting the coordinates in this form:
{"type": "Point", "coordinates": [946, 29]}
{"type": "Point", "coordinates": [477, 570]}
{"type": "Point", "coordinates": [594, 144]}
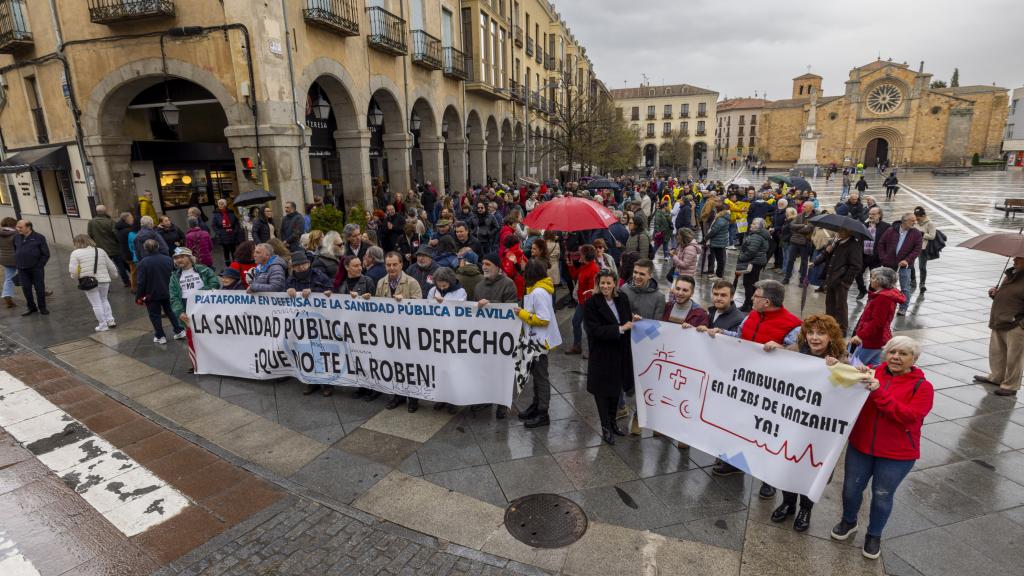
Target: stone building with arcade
{"type": "Point", "coordinates": [888, 113]}
{"type": "Point", "coordinates": [196, 100]}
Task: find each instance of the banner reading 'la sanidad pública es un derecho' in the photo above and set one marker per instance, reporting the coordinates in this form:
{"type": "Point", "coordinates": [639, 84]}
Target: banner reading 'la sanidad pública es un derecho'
{"type": "Point", "coordinates": [453, 352]}
{"type": "Point", "coordinates": [775, 415]}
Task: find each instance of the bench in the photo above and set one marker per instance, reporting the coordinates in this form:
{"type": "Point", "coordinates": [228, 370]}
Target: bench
{"type": "Point", "coordinates": [951, 171]}
{"type": "Point", "coordinates": [1011, 206]}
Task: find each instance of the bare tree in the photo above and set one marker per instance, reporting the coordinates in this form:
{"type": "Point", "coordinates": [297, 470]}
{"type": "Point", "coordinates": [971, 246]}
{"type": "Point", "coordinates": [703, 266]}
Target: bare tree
{"type": "Point", "coordinates": [676, 152]}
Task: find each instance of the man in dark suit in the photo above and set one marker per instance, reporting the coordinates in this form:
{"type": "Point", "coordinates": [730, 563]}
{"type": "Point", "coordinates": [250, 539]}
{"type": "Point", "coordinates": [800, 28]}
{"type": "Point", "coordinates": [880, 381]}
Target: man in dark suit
{"type": "Point", "coordinates": [876, 227]}
{"type": "Point", "coordinates": [898, 248]}
{"type": "Point", "coordinates": [31, 253]}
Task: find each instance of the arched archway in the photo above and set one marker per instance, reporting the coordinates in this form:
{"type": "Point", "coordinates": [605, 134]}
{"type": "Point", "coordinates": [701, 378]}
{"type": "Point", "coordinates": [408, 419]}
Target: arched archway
{"type": "Point", "coordinates": [508, 151]}
{"type": "Point", "coordinates": [520, 147]}
{"type": "Point", "coordinates": [125, 128]}
{"type": "Point", "coordinates": [493, 149]}
{"type": "Point", "coordinates": [335, 144]}
{"type": "Point", "coordinates": [389, 145]}
{"type": "Point", "coordinates": [650, 156]}
{"type": "Point", "coordinates": [876, 152]}
{"type": "Point", "coordinates": [700, 153]}
{"type": "Point", "coordinates": [427, 145]}
{"type": "Point", "coordinates": [477, 155]}
{"type": "Point", "coordinates": [455, 161]}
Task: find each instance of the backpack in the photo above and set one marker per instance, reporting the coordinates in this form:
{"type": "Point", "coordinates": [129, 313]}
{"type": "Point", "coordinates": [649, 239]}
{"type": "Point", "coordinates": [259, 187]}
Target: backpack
{"type": "Point", "coordinates": [935, 245]}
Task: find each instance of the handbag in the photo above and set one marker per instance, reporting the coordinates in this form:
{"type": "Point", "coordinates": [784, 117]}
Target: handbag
{"type": "Point", "coordinates": [90, 282]}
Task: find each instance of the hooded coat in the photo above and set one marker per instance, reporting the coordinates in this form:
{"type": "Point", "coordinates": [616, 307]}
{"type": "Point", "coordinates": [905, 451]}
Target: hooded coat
{"type": "Point", "coordinates": [874, 327]}
{"type": "Point", "coordinates": [889, 424]}
{"type": "Point", "coordinates": [538, 313]}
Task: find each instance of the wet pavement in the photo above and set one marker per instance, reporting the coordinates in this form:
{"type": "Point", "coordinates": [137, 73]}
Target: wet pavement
{"type": "Point", "coordinates": [446, 478]}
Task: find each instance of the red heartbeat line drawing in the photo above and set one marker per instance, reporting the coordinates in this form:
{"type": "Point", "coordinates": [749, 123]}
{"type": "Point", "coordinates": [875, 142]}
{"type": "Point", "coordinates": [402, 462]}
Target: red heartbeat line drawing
{"type": "Point", "coordinates": [662, 358]}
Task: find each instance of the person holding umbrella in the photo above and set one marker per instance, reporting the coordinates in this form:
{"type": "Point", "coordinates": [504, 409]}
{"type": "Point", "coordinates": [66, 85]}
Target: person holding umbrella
{"type": "Point", "coordinates": [1006, 318]}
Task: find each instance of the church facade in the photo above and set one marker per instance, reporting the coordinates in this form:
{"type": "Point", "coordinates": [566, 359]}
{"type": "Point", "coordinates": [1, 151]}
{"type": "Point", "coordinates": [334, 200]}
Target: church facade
{"type": "Point", "coordinates": [889, 113]}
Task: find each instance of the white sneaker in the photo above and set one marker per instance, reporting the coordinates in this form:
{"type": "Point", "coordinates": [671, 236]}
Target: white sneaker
{"type": "Point", "coordinates": [112, 324]}
{"type": "Point", "coordinates": [180, 335]}
{"type": "Point", "coordinates": [159, 340]}
{"type": "Point", "coordinates": [102, 328]}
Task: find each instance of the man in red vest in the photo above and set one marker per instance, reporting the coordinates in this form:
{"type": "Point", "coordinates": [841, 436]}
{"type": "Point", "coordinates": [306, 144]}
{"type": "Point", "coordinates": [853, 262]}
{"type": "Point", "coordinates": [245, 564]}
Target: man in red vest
{"type": "Point", "coordinates": [769, 321]}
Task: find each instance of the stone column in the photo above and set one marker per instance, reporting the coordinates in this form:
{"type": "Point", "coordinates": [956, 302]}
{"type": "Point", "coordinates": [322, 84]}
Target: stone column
{"type": "Point", "coordinates": [279, 144]}
{"type": "Point", "coordinates": [508, 156]}
{"type": "Point", "coordinates": [111, 159]}
{"type": "Point", "coordinates": [353, 147]}
{"type": "Point", "coordinates": [396, 150]}
{"type": "Point", "coordinates": [432, 150]}
{"type": "Point", "coordinates": [477, 163]}
{"type": "Point", "coordinates": [521, 168]}
{"type": "Point", "coordinates": [494, 160]}
{"type": "Point", "coordinates": [457, 167]}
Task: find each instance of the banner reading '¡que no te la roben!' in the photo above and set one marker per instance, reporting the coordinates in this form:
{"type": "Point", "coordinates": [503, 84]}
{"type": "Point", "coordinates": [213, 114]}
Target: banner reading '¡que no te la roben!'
{"type": "Point", "coordinates": [775, 415]}
{"type": "Point", "coordinates": [454, 352]}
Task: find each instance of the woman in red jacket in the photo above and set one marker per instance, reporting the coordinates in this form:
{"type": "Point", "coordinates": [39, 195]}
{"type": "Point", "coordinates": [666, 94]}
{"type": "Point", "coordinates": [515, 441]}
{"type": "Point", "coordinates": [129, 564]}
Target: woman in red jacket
{"type": "Point", "coordinates": [873, 329]}
{"type": "Point", "coordinates": [885, 441]}
{"type": "Point", "coordinates": [585, 274]}
{"type": "Point", "coordinates": [513, 263]}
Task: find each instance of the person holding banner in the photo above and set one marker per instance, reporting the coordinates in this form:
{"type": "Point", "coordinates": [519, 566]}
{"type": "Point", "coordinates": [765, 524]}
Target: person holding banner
{"type": "Point", "coordinates": [820, 336]}
{"type": "Point", "coordinates": [608, 319]}
{"type": "Point", "coordinates": [885, 441]}
{"type": "Point", "coordinates": [397, 285]}
{"type": "Point", "coordinates": [538, 314]}
{"type": "Point", "coordinates": [498, 288]}
{"type": "Point", "coordinates": [270, 273]}
{"type": "Point", "coordinates": [187, 279]}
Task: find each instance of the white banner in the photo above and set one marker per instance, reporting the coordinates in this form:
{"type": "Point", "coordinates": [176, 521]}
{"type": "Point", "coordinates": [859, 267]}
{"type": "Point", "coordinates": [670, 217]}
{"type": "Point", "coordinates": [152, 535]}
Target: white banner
{"type": "Point", "coordinates": [775, 415]}
{"type": "Point", "coordinates": [453, 352]}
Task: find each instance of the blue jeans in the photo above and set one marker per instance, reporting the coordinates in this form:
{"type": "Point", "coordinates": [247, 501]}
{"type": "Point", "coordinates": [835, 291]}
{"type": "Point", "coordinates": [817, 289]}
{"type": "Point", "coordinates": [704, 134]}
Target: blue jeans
{"type": "Point", "coordinates": [845, 192]}
{"type": "Point", "coordinates": [732, 233]}
{"type": "Point", "coordinates": [885, 475]}
{"type": "Point", "coordinates": [577, 325]}
{"type": "Point", "coordinates": [868, 356]}
{"type": "Point", "coordinates": [904, 274]}
{"type": "Point", "coordinates": [9, 272]}
{"type": "Point", "coordinates": [801, 251]}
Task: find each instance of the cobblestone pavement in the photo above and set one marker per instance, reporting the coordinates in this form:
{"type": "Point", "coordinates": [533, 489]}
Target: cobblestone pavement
{"type": "Point", "coordinates": [302, 537]}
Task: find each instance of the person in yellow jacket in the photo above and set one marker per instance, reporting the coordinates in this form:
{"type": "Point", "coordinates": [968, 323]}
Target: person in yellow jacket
{"type": "Point", "coordinates": [146, 206]}
{"type": "Point", "coordinates": [738, 208]}
{"type": "Point", "coordinates": [538, 314]}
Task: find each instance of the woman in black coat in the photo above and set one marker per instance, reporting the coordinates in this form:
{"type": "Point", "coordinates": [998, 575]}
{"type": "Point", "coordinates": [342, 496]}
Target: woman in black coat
{"type": "Point", "coordinates": [608, 319]}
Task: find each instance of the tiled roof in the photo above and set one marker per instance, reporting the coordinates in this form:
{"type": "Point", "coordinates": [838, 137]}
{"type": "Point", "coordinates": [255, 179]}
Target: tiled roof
{"type": "Point", "coordinates": [977, 89]}
{"type": "Point", "coordinates": [741, 104]}
{"type": "Point", "coordinates": [806, 76]}
{"type": "Point", "coordinates": [799, 102]}
{"type": "Point", "coordinates": [659, 91]}
{"type": "Point", "coordinates": [878, 65]}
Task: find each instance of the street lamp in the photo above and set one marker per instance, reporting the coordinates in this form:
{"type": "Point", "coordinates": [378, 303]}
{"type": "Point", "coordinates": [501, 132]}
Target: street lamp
{"type": "Point", "coordinates": [321, 108]}
{"type": "Point", "coordinates": [375, 117]}
{"type": "Point", "coordinates": [414, 123]}
{"type": "Point", "coordinates": [171, 114]}
{"type": "Point", "coordinates": [444, 128]}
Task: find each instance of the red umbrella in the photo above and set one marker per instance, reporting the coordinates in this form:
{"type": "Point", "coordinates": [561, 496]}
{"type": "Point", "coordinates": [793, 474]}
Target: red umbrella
{"type": "Point", "coordinates": [569, 214]}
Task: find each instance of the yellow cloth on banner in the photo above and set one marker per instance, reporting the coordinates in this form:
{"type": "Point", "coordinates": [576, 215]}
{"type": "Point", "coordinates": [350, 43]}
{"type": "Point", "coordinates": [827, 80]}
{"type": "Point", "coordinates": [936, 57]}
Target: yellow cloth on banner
{"type": "Point", "coordinates": [844, 375]}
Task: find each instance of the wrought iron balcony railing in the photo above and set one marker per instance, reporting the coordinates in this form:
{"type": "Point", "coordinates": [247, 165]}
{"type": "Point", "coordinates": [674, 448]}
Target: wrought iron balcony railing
{"type": "Point", "coordinates": [426, 50]}
{"type": "Point", "coordinates": [387, 32]}
{"type": "Point", "coordinates": [341, 16]}
{"type": "Point", "coordinates": [517, 35]}
{"type": "Point", "coordinates": [540, 53]}
{"type": "Point", "coordinates": [114, 11]}
{"type": "Point", "coordinates": [529, 46]}
{"type": "Point", "coordinates": [14, 30]}
{"type": "Point", "coordinates": [455, 63]}
{"type": "Point", "coordinates": [549, 62]}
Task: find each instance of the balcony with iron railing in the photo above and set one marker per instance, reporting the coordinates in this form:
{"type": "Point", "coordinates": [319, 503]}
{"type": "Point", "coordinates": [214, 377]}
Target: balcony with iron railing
{"type": "Point", "coordinates": [529, 46]}
{"type": "Point", "coordinates": [543, 105]}
{"type": "Point", "coordinates": [539, 55]}
{"type": "Point", "coordinates": [517, 35]}
{"type": "Point", "coordinates": [651, 115]}
{"type": "Point", "coordinates": [549, 62]}
{"type": "Point", "coordinates": [702, 114]}
{"type": "Point", "coordinates": [341, 16]}
{"type": "Point", "coordinates": [666, 116]}
{"type": "Point", "coordinates": [649, 135]}
{"type": "Point", "coordinates": [114, 11]}
{"type": "Point", "coordinates": [534, 100]}
{"type": "Point", "coordinates": [684, 114]}
{"type": "Point", "coordinates": [518, 91]}
{"type": "Point", "coordinates": [666, 133]}
{"type": "Point", "coordinates": [387, 32]}
{"type": "Point", "coordinates": [455, 63]}
{"type": "Point", "coordinates": [14, 29]}
{"type": "Point", "coordinates": [426, 50]}
{"type": "Point", "coordinates": [701, 133]}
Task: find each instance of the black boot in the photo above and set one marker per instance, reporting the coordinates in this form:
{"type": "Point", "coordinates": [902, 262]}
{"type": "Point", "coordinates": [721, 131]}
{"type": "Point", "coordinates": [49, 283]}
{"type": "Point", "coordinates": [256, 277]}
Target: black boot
{"type": "Point", "coordinates": [528, 413]}
{"type": "Point", "coordinates": [501, 412]}
{"type": "Point", "coordinates": [395, 402]}
{"type": "Point", "coordinates": [538, 420]}
{"type": "Point", "coordinates": [607, 436]}
{"type": "Point", "coordinates": [414, 405]}
{"type": "Point", "coordinates": [767, 491]}
{"type": "Point", "coordinates": [803, 520]}
{"type": "Point", "coordinates": [782, 512]}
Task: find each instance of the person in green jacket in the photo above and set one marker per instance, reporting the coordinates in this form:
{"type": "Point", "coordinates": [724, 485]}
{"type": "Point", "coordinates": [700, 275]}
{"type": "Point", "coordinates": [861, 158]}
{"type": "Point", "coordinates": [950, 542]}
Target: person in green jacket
{"type": "Point", "coordinates": [101, 230]}
{"type": "Point", "coordinates": [187, 279]}
{"type": "Point", "coordinates": [663, 226]}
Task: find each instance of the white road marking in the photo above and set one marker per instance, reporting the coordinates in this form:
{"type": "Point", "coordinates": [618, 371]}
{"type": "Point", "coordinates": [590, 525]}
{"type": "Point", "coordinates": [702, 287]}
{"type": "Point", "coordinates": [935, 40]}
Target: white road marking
{"type": "Point", "coordinates": [968, 225]}
{"type": "Point", "coordinates": [13, 562]}
{"type": "Point", "coordinates": [131, 497]}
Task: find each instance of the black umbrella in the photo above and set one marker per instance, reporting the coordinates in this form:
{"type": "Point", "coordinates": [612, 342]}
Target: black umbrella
{"type": "Point", "coordinates": [835, 222]}
{"type": "Point", "coordinates": [800, 184]}
{"type": "Point", "coordinates": [257, 196]}
{"type": "Point", "coordinates": [604, 184]}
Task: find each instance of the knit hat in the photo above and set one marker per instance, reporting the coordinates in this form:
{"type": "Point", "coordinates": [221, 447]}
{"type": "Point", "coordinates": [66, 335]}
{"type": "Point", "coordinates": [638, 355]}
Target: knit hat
{"type": "Point", "coordinates": [493, 258]}
{"type": "Point", "coordinates": [471, 258]}
{"type": "Point", "coordinates": [424, 250]}
{"type": "Point", "coordinates": [230, 273]}
{"type": "Point", "coordinates": [299, 257]}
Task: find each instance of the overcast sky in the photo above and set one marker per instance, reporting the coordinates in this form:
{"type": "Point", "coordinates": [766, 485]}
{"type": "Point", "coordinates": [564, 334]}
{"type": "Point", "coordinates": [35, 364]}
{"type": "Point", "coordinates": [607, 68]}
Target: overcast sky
{"type": "Point", "coordinates": [738, 46]}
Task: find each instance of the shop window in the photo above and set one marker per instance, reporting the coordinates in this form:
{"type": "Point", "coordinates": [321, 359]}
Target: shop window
{"type": "Point", "coordinates": [180, 189]}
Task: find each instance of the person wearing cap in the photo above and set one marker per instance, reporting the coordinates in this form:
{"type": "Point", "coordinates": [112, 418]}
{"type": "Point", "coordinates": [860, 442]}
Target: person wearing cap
{"type": "Point", "coordinates": [230, 279]}
{"type": "Point", "coordinates": [441, 229]}
{"type": "Point", "coordinates": [305, 279]}
{"type": "Point", "coordinates": [423, 270]}
{"type": "Point", "coordinates": [153, 277]}
{"type": "Point", "coordinates": [498, 288]}
{"type": "Point", "coordinates": [187, 279]}
{"type": "Point", "coordinates": [468, 272]}
{"type": "Point", "coordinates": [398, 285]}
{"type": "Point", "coordinates": [271, 271]}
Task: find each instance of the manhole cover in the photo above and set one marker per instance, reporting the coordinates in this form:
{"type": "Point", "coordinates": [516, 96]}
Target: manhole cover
{"type": "Point", "coordinates": [545, 520]}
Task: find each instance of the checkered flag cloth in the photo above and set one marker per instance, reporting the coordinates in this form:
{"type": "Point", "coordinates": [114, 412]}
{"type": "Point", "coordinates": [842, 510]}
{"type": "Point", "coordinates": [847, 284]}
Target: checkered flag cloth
{"type": "Point", "coordinates": [526, 353]}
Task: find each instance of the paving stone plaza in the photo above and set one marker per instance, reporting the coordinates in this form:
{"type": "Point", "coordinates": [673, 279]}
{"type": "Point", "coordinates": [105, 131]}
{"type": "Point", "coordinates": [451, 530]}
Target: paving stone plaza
{"type": "Point", "coordinates": [274, 482]}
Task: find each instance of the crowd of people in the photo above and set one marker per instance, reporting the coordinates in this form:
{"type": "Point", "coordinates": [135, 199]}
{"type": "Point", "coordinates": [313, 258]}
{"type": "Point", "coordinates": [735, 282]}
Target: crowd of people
{"type": "Point", "coordinates": [475, 247]}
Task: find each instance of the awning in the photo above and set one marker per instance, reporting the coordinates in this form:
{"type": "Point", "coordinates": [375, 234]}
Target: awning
{"type": "Point", "coordinates": [51, 158]}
